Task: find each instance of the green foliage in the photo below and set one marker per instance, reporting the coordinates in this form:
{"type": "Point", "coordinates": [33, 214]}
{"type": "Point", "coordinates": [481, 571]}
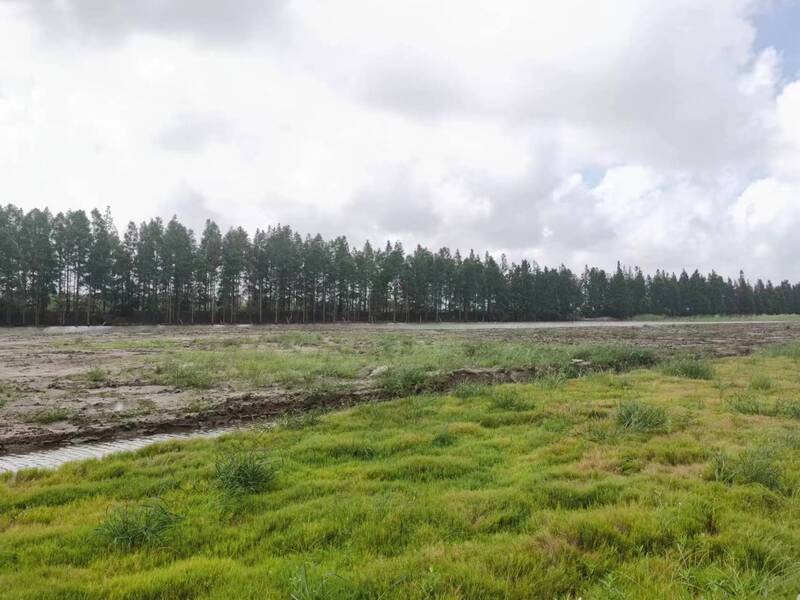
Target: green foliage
{"type": "Point", "coordinates": [46, 416]}
{"type": "Point", "coordinates": [469, 389]}
{"type": "Point", "coordinates": [616, 357]}
{"type": "Point", "coordinates": [753, 465]}
{"type": "Point", "coordinates": [96, 375]}
{"type": "Point", "coordinates": [185, 375]}
{"type": "Point", "coordinates": [634, 415]}
{"type": "Point", "coordinates": [445, 437]}
{"type": "Point", "coordinates": [761, 383]}
{"type": "Point", "coordinates": [243, 471]}
{"type": "Point", "coordinates": [435, 496]}
{"type": "Point", "coordinates": [690, 368]}
{"type": "Point", "coordinates": [749, 404]}
{"type": "Point", "coordinates": [132, 526]}
{"type": "Point", "coordinates": [300, 419]}
{"type": "Point", "coordinates": [405, 381]}
{"type": "Point", "coordinates": [506, 397]}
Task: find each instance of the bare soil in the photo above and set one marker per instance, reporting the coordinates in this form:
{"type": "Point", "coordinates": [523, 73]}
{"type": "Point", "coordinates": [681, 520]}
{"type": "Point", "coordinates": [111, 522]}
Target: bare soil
{"type": "Point", "coordinates": [46, 397]}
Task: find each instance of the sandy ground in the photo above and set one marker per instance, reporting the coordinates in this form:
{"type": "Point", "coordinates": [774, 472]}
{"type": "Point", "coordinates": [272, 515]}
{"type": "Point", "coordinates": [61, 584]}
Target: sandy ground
{"type": "Point", "coordinates": [46, 398]}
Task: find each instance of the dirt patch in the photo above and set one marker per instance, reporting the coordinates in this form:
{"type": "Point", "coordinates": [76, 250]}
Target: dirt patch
{"type": "Point", "coordinates": [91, 383]}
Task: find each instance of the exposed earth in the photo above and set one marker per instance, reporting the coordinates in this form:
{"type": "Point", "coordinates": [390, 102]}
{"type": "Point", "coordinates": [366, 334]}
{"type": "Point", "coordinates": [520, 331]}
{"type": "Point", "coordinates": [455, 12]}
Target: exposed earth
{"type": "Point", "coordinates": [70, 385]}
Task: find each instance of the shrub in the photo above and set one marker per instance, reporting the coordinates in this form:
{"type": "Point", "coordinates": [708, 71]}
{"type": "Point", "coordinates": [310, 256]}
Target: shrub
{"type": "Point", "coordinates": [637, 416]}
{"type": "Point", "coordinates": [689, 368]}
{"type": "Point", "coordinates": [754, 465]}
{"type": "Point", "coordinates": [129, 527]}
{"type": "Point", "coordinates": [245, 472]}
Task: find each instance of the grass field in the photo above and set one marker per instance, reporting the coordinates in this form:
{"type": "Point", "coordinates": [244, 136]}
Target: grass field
{"type": "Point", "coordinates": [679, 481]}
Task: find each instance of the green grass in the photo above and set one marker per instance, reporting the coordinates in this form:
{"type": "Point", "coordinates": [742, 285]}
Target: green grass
{"type": "Point", "coordinates": [605, 486]}
{"type": "Point", "coordinates": [129, 527]}
{"type": "Point", "coordinates": [691, 368]}
{"type": "Point", "coordinates": [47, 416]}
{"type": "Point", "coordinates": [245, 471]}
{"type": "Point", "coordinates": [761, 383]}
{"type": "Point", "coordinates": [405, 365]}
{"type": "Point", "coordinates": [8, 393]}
{"type": "Point", "coordinates": [640, 417]}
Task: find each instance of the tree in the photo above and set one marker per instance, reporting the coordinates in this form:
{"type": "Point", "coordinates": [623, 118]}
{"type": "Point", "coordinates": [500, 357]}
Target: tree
{"type": "Point", "coordinates": [210, 263]}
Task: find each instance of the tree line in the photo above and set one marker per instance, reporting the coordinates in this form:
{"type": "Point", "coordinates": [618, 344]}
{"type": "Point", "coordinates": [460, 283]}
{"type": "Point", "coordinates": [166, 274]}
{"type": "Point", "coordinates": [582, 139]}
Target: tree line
{"type": "Point", "coordinates": [72, 268]}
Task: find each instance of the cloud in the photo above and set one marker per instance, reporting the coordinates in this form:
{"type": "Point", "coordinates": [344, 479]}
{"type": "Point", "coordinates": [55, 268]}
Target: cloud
{"type": "Point", "coordinates": [465, 127]}
{"type": "Point", "coordinates": [192, 210]}
{"type": "Point", "coordinates": [191, 133]}
{"type": "Point", "coordinates": [111, 20]}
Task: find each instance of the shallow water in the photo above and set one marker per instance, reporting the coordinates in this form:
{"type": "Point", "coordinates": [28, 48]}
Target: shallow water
{"type": "Point", "coordinates": [51, 459]}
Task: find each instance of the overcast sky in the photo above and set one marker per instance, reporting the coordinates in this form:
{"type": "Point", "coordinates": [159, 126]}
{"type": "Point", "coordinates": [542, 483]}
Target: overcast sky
{"type": "Point", "coordinates": [663, 134]}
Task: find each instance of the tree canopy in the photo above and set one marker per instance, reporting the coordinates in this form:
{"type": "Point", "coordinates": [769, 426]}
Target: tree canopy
{"type": "Point", "coordinates": [74, 268]}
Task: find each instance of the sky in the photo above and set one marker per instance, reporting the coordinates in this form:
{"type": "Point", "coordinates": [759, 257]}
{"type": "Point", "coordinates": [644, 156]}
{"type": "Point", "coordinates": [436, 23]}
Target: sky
{"type": "Point", "coordinates": [660, 134]}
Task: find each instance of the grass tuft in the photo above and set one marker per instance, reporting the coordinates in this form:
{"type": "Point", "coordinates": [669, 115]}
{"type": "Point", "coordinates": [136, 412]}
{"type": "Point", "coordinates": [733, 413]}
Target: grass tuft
{"type": "Point", "coordinates": [242, 472]}
{"type": "Point", "coordinates": [635, 415]}
{"type": "Point", "coordinates": [761, 383]}
{"type": "Point", "coordinates": [690, 368]}
{"type": "Point", "coordinates": [133, 526]}
{"type": "Point", "coordinates": [754, 465]}
{"type": "Point", "coordinates": [50, 415]}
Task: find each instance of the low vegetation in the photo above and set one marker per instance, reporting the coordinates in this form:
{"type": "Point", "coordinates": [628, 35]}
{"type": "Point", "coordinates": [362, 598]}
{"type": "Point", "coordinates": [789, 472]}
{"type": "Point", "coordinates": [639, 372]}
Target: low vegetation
{"type": "Point", "coordinates": [400, 364]}
{"type": "Point", "coordinates": [132, 526]}
{"type": "Point", "coordinates": [634, 485]}
{"type": "Point", "coordinates": [690, 368]}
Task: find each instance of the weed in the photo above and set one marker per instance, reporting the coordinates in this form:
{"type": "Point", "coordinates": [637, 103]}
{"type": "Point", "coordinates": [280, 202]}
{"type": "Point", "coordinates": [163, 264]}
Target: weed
{"type": "Point", "coordinates": [761, 383]}
{"type": "Point", "coordinates": [468, 389]}
{"type": "Point", "coordinates": [616, 358]}
{"type": "Point", "coordinates": [690, 368]}
{"type": "Point", "coordinates": [299, 419]}
{"type": "Point", "coordinates": [505, 398]}
{"type": "Point", "coordinates": [184, 375]}
{"type": "Point", "coordinates": [50, 415]}
{"type": "Point", "coordinates": [788, 407]}
{"type": "Point", "coordinates": [444, 438]}
{"type": "Point", "coordinates": [133, 526]}
{"type": "Point", "coordinates": [634, 415]}
{"type": "Point", "coordinates": [748, 404]}
{"type": "Point", "coordinates": [96, 375]}
{"type": "Point", "coordinates": [753, 465]}
{"type": "Point", "coordinates": [552, 381]}
{"type": "Point", "coordinates": [242, 471]}
{"type": "Point", "coordinates": [404, 381]}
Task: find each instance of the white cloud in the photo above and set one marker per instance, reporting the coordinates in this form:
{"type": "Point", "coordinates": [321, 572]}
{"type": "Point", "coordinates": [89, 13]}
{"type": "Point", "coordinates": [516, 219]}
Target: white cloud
{"type": "Point", "coordinates": [464, 125]}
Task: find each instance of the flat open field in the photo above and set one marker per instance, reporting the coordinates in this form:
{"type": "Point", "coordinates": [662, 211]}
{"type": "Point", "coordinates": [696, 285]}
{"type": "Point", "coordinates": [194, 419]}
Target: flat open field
{"type": "Point", "coordinates": [70, 385]}
{"type": "Point", "coordinates": [614, 467]}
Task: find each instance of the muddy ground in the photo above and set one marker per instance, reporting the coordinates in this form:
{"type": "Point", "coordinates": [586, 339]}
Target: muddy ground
{"type": "Point", "coordinates": [74, 385]}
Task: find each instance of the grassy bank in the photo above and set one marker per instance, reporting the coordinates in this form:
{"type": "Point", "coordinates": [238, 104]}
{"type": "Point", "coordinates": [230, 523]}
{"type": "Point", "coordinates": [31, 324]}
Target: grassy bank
{"type": "Point", "coordinates": [675, 482]}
